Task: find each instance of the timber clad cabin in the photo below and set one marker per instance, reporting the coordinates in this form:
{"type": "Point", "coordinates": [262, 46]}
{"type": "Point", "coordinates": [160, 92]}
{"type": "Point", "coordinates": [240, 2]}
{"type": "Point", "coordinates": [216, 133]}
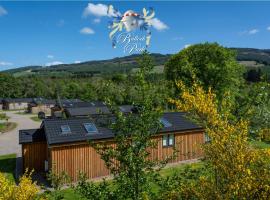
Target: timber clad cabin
{"type": "Point", "coordinates": [62, 144]}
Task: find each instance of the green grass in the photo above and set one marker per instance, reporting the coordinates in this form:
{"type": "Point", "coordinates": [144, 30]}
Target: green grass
{"type": "Point", "coordinates": [8, 165]}
{"type": "Point", "coordinates": [35, 118]}
{"type": "Point", "coordinates": [6, 127]}
{"type": "Point", "coordinates": [259, 144]}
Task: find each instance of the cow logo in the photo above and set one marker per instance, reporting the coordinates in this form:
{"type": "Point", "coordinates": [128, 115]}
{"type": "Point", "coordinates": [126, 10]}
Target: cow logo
{"type": "Point", "coordinates": [131, 30]}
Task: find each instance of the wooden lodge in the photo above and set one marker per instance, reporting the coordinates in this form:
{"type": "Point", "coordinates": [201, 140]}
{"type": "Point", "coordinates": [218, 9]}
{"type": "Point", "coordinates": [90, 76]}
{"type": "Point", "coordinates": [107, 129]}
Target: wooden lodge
{"type": "Point", "coordinates": [62, 144]}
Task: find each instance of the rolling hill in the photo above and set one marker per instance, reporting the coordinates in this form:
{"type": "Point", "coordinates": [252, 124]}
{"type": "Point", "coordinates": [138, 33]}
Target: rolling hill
{"type": "Point", "coordinates": [247, 56]}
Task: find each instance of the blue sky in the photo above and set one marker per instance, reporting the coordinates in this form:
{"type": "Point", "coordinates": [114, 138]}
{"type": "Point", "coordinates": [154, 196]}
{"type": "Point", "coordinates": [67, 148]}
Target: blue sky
{"type": "Point", "coordinates": [45, 33]}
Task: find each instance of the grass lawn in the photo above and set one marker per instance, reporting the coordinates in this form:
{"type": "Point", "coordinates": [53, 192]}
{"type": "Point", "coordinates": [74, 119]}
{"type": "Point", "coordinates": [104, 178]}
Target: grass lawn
{"type": "Point", "coordinates": [35, 118]}
{"type": "Point", "coordinates": [8, 165]}
{"type": "Point", "coordinates": [259, 144]}
{"type": "Point", "coordinates": [5, 127]}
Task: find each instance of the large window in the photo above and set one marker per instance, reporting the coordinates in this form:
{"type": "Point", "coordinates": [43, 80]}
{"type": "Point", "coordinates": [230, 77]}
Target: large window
{"type": "Point", "coordinates": [168, 140]}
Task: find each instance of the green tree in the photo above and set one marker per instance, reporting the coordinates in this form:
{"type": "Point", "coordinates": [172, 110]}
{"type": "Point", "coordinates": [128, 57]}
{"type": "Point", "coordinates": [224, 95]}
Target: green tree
{"type": "Point", "coordinates": [211, 64]}
{"type": "Point", "coordinates": [128, 160]}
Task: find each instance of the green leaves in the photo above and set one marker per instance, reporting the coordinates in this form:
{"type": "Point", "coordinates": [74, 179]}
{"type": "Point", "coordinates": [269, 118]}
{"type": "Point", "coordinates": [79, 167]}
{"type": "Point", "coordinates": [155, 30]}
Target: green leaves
{"type": "Point", "coordinates": [210, 64]}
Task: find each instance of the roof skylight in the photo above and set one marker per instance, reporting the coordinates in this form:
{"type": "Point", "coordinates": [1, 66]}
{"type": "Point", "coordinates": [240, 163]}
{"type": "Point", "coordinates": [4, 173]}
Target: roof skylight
{"type": "Point", "coordinates": [165, 122]}
{"type": "Point", "coordinates": [65, 129]}
{"type": "Point", "coordinates": [90, 128]}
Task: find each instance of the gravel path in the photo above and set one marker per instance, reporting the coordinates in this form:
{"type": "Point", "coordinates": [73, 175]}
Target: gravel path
{"type": "Point", "coordinates": [9, 141]}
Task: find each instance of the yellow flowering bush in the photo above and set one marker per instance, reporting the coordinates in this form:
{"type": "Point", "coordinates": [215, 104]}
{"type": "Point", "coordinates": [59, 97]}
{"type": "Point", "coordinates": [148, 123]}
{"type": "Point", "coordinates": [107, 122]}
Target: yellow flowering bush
{"type": "Point", "coordinates": [237, 170]}
{"type": "Point", "coordinates": [25, 190]}
{"type": "Point", "coordinates": [6, 188]}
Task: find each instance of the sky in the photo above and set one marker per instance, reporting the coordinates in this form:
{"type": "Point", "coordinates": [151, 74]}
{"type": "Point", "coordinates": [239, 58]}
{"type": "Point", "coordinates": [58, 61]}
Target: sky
{"type": "Point", "coordinates": [47, 32]}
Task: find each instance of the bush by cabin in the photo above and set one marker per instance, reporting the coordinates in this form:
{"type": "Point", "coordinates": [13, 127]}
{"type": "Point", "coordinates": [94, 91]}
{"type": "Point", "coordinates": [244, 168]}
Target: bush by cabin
{"type": "Point", "coordinates": [63, 144]}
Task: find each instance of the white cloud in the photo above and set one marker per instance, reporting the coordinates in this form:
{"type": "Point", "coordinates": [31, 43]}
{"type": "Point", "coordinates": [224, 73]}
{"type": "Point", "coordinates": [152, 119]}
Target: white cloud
{"type": "Point", "coordinates": [250, 32]}
{"type": "Point", "coordinates": [3, 63]}
{"type": "Point", "coordinates": [187, 45]}
{"type": "Point", "coordinates": [97, 20]}
{"type": "Point", "coordinates": [3, 11]}
{"type": "Point", "coordinates": [268, 28]}
{"type": "Point", "coordinates": [159, 25]}
{"type": "Point", "coordinates": [77, 61]}
{"type": "Point", "coordinates": [87, 31]}
{"type": "Point", "coordinates": [50, 56]}
{"type": "Point", "coordinates": [253, 31]}
{"type": "Point", "coordinates": [53, 63]}
{"type": "Point", "coordinates": [99, 10]}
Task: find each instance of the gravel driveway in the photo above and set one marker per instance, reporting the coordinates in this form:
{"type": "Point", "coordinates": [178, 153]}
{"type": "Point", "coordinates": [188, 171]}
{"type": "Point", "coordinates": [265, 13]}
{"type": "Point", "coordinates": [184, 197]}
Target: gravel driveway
{"type": "Point", "coordinates": [9, 141]}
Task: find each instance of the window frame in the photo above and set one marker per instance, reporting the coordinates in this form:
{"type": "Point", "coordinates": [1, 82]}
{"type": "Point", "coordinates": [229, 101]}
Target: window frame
{"type": "Point", "coordinates": [167, 138]}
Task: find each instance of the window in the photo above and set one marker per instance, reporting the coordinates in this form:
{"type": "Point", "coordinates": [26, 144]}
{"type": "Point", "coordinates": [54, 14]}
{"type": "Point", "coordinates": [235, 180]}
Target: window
{"type": "Point", "coordinates": [90, 128]}
{"type": "Point", "coordinates": [165, 122]}
{"type": "Point", "coordinates": [168, 140]}
{"type": "Point", "coordinates": [65, 129]}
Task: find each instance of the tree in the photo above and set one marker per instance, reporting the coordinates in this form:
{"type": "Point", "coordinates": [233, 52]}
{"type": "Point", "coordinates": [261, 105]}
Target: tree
{"type": "Point", "coordinates": [237, 170]}
{"type": "Point", "coordinates": [209, 63]}
{"type": "Point", "coordinates": [128, 157]}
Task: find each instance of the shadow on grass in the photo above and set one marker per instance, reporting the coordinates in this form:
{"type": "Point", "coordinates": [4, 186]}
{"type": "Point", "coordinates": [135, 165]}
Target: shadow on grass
{"type": "Point", "coordinates": [8, 165]}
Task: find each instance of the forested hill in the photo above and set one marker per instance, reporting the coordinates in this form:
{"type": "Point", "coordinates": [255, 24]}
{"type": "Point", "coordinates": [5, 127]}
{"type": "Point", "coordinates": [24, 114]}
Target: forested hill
{"type": "Point", "coordinates": [247, 56]}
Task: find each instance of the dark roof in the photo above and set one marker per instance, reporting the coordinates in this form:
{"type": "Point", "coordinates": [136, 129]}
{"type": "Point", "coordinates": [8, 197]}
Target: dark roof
{"type": "Point", "coordinates": [78, 104]}
{"type": "Point", "coordinates": [31, 135]}
{"type": "Point", "coordinates": [18, 100]}
{"type": "Point", "coordinates": [78, 133]}
{"type": "Point", "coordinates": [179, 122]}
{"type": "Point", "coordinates": [87, 111]}
{"type": "Point", "coordinates": [68, 102]}
{"type": "Point", "coordinates": [54, 135]}
{"type": "Point", "coordinates": [43, 101]}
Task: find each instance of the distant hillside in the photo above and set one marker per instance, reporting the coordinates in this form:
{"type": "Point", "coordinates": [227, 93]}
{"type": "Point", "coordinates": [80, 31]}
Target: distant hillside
{"type": "Point", "coordinates": [90, 68]}
{"type": "Point", "coordinates": [247, 56]}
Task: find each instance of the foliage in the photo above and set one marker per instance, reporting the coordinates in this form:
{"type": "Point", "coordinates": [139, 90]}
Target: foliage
{"type": "Point", "coordinates": [237, 171]}
{"type": "Point", "coordinates": [94, 191]}
{"type": "Point", "coordinates": [252, 104]}
{"type": "Point", "coordinates": [58, 180]}
{"type": "Point", "coordinates": [211, 64]}
{"type": "Point", "coordinates": [25, 190]}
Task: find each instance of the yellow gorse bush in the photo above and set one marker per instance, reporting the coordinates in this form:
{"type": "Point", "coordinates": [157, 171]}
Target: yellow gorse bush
{"type": "Point", "coordinates": [25, 190]}
{"type": "Point", "coordinates": [238, 171]}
